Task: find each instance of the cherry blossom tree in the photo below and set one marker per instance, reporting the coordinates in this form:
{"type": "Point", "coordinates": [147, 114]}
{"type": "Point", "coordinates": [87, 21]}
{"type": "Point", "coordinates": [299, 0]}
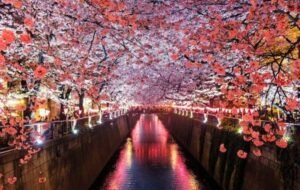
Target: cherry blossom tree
{"type": "Point", "coordinates": [246, 53]}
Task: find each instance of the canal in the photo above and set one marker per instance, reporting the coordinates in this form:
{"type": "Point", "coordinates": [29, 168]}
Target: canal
{"type": "Point", "coordinates": [151, 160]}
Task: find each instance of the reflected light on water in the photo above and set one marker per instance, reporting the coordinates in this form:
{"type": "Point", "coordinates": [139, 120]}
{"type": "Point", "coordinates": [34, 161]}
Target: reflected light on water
{"type": "Point", "coordinates": [150, 160]}
{"type": "Point", "coordinates": [128, 153]}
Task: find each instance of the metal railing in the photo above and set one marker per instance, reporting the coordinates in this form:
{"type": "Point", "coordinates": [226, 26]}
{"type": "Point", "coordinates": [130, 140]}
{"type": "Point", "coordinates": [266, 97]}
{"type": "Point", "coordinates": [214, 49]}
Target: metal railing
{"type": "Point", "coordinates": [45, 131]}
{"type": "Point", "coordinates": [212, 119]}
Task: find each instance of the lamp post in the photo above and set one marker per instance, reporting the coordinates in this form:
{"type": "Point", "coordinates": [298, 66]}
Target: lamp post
{"type": "Point", "coordinates": [191, 114]}
{"type": "Point", "coordinates": [100, 117]}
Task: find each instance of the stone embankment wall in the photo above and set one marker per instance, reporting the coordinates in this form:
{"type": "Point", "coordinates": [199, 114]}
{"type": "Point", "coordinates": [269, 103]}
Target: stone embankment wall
{"type": "Point", "coordinates": [71, 162]}
{"type": "Point", "coordinates": [276, 169]}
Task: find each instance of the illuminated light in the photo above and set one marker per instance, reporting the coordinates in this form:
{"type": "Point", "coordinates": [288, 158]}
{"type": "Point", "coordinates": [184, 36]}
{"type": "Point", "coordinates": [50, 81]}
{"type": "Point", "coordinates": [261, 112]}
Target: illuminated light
{"type": "Point", "coordinates": [14, 102]}
{"type": "Point", "coordinates": [93, 110]}
{"type": "Point", "coordinates": [240, 110]}
{"type": "Point", "coordinates": [66, 110]}
{"type": "Point", "coordinates": [129, 150]}
{"type": "Point", "coordinates": [14, 114]}
{"type": "Point", "coordinates": [110, 115]}
{"type": "Point", "coordinates": [173, 157]}
{"type": "Point", "coordinates": [247, 110]}
{"type": "Point", "coordinates": [192, 114]}
{"type": "Point", "coordinates": [74, 125]}
{"type": "Point", "coordinates": [100, 118]}
{"type": "Point", "coordinates": [75, 131]}
{"type": "Point", "coordinates": [43, 112]}
{"type": "Point", "coordinates": [43, 90]}
{"type": "Point", "coordinates": [219, 122]}
{"type": "Point", "coordinates": [90, 124]}
{"type": "Point", "coordinates": [87, 104]}
{"type": "Point", "coordinates": [287, 138]}
{"type": "Point", "coordinates": [240, 130]}
{"type": "Point", "coordinates": [240, 120]}
{"type": "Point", "coordinates": [205, 118]}
{"type": "Point", "coordinates": [39, 141]}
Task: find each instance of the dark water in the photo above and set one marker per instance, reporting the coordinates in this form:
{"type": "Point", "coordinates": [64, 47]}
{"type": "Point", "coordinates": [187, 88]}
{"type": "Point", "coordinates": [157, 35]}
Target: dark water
{"type": "Point", "coordinates": [150, 160]}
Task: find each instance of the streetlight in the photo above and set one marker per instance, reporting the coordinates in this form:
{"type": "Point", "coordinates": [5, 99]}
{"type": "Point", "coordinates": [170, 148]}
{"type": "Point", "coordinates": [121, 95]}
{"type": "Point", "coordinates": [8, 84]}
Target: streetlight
{"type": "Point", "coordinates": [205, 118]}
{"type": "Point", "coordinates": [100, 117]}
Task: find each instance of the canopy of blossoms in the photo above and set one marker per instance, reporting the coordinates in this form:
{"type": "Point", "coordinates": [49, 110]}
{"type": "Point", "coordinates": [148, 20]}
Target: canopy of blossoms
{"type": "Point", "coordinates": [151, 51]}
{"type": "Point", "coordinates": [244, 53]}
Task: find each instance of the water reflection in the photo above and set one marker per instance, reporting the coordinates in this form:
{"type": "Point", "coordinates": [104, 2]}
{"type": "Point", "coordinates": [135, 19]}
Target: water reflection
{"type": "Point", "coordinates": [150, 160]}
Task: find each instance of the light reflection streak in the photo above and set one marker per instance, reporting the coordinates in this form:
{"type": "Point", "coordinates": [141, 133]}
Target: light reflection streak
{"type": "Point", "coordinates": [151, 155]}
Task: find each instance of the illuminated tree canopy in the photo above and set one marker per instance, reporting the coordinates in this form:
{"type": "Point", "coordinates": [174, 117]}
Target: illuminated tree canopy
{"type": "Point", "coordinates": [187, 52]}
{"type": "Point", "coordinates": [151, 51]}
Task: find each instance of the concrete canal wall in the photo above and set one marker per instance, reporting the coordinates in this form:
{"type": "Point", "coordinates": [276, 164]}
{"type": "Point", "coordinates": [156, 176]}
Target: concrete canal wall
{"type": "Point", "coordinates": [72, 162]}
{"type": "Point", "coordinates": [276, 169]}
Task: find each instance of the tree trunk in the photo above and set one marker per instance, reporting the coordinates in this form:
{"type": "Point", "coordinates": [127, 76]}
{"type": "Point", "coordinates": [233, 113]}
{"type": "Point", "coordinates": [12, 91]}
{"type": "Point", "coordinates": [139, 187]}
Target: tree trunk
{"type": "Point", "coordinates": [81, 98]}
{"type": "Point", "coordinates": [27, 112]}
{"type": "Point", "coordinates": [62, 114]}
{"type": "Point", "coordinates": [64, 96]}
